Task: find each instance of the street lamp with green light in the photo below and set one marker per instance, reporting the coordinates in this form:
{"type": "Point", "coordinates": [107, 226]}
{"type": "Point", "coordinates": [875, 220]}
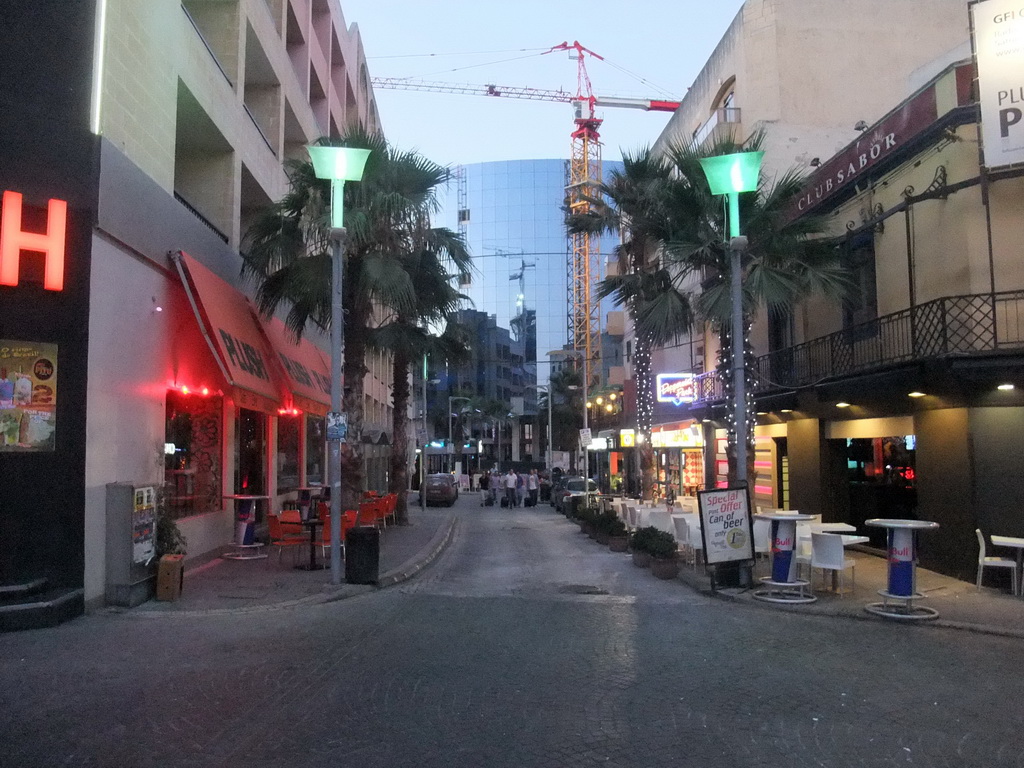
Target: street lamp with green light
{"type": "Point", "coordinates": [732, 175]}
{"type": "Point", "coordinates": [338, 164]}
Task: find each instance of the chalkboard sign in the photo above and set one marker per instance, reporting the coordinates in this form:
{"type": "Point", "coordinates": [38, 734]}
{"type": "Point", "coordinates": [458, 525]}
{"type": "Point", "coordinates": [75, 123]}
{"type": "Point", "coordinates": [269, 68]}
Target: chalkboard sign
{"type": "Point", "coordinates": [726, 527]}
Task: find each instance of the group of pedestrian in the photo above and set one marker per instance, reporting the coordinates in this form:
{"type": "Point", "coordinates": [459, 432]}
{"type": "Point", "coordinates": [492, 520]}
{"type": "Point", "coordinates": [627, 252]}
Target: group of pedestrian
{"type": "Point", "coordinates": [517, 489]}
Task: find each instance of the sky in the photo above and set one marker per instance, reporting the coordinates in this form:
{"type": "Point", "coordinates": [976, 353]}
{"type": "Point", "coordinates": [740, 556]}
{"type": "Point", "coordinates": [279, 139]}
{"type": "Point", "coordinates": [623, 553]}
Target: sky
{"type": "Point", "coordinates": [652, 49]}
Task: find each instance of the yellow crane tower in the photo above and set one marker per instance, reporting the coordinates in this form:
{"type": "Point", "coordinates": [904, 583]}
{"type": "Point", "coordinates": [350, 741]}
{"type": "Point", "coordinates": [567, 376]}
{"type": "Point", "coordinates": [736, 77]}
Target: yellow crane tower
{"type": "Point", "coordinates": [584, 262]}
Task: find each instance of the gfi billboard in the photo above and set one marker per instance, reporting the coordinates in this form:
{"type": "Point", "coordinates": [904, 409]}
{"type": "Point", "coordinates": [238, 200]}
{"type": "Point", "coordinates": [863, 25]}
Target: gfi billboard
{"type": "Point", "coordinates": [999, 49]}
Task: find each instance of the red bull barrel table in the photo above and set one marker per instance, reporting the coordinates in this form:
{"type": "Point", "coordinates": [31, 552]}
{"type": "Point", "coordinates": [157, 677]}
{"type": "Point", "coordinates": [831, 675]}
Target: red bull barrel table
{"type": "Point", "coordinates": [901, 592]}
{"type": "Point", "coordinates": [783, 586]}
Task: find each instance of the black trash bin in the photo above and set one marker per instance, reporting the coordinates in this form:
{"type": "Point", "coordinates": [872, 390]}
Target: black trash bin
{"type": "Point", "coordinates": [362, 555]}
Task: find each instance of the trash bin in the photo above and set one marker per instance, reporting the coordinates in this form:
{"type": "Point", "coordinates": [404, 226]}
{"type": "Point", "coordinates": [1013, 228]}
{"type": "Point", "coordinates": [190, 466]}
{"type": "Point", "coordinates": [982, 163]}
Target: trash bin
{"type": "Point", "coordinates": [362, 555]}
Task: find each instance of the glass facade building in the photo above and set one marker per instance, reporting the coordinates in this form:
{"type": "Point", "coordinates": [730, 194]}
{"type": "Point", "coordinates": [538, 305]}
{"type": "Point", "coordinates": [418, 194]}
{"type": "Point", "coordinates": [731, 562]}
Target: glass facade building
{"type": "Point", "coordinates": [511, 214]}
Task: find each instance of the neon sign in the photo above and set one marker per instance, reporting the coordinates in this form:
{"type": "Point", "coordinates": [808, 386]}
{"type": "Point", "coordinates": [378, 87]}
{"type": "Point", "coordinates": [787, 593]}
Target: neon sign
{"type": "Point", "coordinates": [675, 388]}
{"type": "Point", "coordinates": [14, 240]}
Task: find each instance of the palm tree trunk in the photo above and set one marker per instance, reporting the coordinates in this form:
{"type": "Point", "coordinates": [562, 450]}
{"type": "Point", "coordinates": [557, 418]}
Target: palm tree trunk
{"type": "Point", "coordinates": [645, 452]}
{"type": "Point", "coordinates": [352, 475]}
{"type": "Point", "coordinates": [399, 480]}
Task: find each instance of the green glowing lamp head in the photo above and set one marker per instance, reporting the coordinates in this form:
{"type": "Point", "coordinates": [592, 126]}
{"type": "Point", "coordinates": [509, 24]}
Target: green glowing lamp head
{"type": "Point", "coordinates": [737, 172]}
{"type": "Point", "coordinates": [339, 164]}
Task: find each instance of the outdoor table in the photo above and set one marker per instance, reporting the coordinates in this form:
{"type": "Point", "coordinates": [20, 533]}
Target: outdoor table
{"type": "Point", "coordinates": [902, 585]}
{"type": "Point", "coordinates": [245, 546]}
{"type": "Point", "coordinates": [312, 523]}
{"type": "Point", "coordinates": [1018, 544]}
{"type": "Point", "coordinates": [782, 586]}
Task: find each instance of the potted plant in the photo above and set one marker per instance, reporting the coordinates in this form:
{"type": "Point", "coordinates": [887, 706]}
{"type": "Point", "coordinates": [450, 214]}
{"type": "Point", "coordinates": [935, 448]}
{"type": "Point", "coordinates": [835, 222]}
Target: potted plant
{"type": "Point", "coordinates": [638, 543]}
{"type": "Point", "coordinates": [618, 538]}
{"type": "Point", "coordinates": [664, 554]}
{"type": "Point", "coordinates": [605, 523]}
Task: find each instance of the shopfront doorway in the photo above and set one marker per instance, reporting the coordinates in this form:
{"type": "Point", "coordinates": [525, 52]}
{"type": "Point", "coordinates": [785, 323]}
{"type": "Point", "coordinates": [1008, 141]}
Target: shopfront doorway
{"type": "Point", "coordinates": [250, 452]}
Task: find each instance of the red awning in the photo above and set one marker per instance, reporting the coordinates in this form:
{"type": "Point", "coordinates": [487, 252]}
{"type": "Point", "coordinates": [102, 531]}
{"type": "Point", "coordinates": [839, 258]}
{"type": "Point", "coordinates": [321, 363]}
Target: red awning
{"type": "Point", "coordinates": [305, 368]}
{"type": "Point", "coordinates": [234, 335]}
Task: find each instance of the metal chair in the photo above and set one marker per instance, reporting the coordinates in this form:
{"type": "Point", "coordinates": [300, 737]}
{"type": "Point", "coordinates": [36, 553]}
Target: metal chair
{"type": "Point", "coordinates": [994, 562]}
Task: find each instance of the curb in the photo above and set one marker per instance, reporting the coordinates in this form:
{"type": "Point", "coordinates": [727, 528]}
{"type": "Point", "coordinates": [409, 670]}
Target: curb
{"type": "Point", "coordinates": [418, 562]}
{"type": "Point", "coordinates": [959, 626]}
{"type": "Point", "coordinates": [332, 593]}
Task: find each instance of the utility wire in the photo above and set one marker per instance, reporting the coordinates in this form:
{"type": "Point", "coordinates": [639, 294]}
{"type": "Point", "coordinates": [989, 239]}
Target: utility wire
{"type": "Point", "coordinates": [454, 53]}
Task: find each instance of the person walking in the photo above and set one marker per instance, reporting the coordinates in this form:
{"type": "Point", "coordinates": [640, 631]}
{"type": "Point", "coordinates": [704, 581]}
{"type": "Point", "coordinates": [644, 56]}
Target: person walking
{"type": "Point", "coordinates": [494, 485]}
{"type": "Point", "coordinates": [483, 481]}
{"type": "Point", "coordinates": [533, 486]}
{"type": "Point", "coordinates": [520, 489]}
{"type": "Point", "coordinates": [509, 483]}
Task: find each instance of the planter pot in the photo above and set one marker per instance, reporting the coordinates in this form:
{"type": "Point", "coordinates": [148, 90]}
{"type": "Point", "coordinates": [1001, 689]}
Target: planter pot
{"type": "Point", "coordinates": [641, 559]}
{"type": "Point", "coordinates": [601, 537]}
{"type": "Point", "coordinates": [618, 543]}
{"type": "Point", "coordinates": [665, 568]}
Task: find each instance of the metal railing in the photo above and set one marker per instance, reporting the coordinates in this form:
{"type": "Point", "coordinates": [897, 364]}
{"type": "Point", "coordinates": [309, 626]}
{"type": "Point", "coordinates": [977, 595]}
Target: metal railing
{"type": "Point", "coordinates": [719, 116]}
{"type": "Point", "coordinates": [209, 224]}
{"type": "Point", "coordinates": [953, 326]}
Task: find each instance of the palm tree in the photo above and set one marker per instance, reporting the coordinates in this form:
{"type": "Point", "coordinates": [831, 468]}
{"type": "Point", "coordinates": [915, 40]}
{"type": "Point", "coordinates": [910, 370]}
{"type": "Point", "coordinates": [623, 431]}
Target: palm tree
{"type": "Point", "coordinates": [786, 261]}
{"type": "Point", "coordinates": [640, 203]}
{"type": "Point", "coordinates": [408, 342]}
{"type": "Point", "coordinates": [288, 253]}
{"type": "Point", "coordinates": [675, 249]}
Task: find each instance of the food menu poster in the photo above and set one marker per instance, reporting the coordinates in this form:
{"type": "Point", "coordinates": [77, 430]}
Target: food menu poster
{"type": "Point", "coordinates": [28, 395]}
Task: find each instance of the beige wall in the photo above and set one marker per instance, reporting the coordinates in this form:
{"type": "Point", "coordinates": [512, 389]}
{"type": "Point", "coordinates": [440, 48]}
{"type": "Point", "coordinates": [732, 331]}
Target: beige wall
{"type": "Point", "coordinates": [807, 70]}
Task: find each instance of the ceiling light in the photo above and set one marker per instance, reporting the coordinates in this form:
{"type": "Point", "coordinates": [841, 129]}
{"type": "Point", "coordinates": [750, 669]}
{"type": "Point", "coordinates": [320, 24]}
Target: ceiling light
{"type": "Point", "coordinates": [1005, 387]}
{"type": "Point", "coordinates": [786, 410]}
{"type": "Point", "coordinates": [842, 405]}
{"type": "Point", "coordinates": [762, 413]}
{"type": "Point", "coordinates": [915, 394]}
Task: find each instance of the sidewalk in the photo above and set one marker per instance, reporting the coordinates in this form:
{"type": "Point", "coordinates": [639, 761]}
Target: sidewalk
{"type": "Point", "coordinates": [993, 610]}
{"type": "Point", "coordinates": [220, 586]}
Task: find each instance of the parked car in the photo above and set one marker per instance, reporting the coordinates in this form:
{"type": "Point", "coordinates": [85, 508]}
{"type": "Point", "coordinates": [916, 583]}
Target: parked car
{"type": "Point", "coordinates": [441, 489]}
{"type": "Point", "coordinates": [558, 490]}
{"type": "Point", "coordinates": [576, 486]}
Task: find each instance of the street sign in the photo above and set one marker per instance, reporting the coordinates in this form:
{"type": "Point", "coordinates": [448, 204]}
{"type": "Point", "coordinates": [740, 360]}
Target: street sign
{"type": "Point", "coordinates": [585, 437]}
{"type": "Point", "coordinates": [337, 427]}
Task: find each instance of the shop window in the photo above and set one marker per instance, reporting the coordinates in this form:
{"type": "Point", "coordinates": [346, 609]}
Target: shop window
{"type": "Point", "coordinates": [316, 450]}
{"type": "Point", "coordinates": [250, 451]}
{"type": "Point", "coordinates": [192, 451]}
{"type": "Point", "coordinates": [288, 453]}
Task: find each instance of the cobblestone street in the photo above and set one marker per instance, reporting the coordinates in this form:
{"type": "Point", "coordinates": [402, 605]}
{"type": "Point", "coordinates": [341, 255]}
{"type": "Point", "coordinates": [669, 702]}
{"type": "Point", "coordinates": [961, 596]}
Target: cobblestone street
{"type": "Point", "coordinates": [524, 644]}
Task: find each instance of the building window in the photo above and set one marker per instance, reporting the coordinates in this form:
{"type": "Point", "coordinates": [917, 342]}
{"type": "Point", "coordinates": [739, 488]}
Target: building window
{"type": "Point", "coordinates": [861, 305]}
{"type": "Point", "coordinates": [316, 450]}
{"type": "Point", "coordinates": [192, 451]}
{"type": "Point", "coordinates": [288, 453]}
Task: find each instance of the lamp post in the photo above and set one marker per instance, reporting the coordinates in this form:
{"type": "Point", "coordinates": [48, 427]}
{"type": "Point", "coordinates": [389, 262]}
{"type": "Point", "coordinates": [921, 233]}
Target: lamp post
{"type": "Point", "coordinates": [338, 164]}
{"type": "Point", "coordinates": [730, 175]}
{"type": "Point", "coordinates": [423, 447]}
{"type": "Point", "coordinates": [451, 448]}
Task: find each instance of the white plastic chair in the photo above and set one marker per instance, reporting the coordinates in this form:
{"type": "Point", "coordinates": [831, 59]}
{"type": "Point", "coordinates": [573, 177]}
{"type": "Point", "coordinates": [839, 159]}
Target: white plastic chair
{"type": "Point", "coordinates": [827, 553]}
{"type": "Point", "coordinates": [631, 517]}
{"type": "Point", "coordinates": [660, 519]}
{"type": "Point", "coordinates": [682, 534]}
{"type": "Point", "coordinates": [762, 537]}
{"type": "Point", "coordinates": [994, 562]}
{"type": "Point", "coordinates": [694, 537]}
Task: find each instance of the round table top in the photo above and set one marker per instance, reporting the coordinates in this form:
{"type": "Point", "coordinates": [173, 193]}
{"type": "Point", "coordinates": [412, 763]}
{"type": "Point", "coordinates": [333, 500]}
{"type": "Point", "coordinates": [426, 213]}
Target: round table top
{"type": "Point", "coordinates": [921, 525]}
{"type": "Point", "coordinates": [794, 516]}
{"type": "Point", "coordinates": [242, 496]}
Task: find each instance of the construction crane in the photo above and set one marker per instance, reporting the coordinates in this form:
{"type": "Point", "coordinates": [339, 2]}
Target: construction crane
{"type": "Point", "coordinates": [584, 263]}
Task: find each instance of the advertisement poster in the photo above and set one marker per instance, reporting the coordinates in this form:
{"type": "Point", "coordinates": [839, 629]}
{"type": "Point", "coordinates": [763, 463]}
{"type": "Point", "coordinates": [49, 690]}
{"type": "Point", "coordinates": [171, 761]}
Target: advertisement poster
{"type": "Point", "coordinates": [999, 46]}
{"type": "Point", "coordinates": [28, 395]}
{"type": "Point", "coordinates": [725, 525]}
{"type": "Point", "coordinates": [144, 525]}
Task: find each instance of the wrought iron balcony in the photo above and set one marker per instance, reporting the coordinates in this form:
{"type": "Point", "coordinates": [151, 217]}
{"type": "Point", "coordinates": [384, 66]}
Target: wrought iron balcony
{"type": "Point", "coordinates": [954, 326]}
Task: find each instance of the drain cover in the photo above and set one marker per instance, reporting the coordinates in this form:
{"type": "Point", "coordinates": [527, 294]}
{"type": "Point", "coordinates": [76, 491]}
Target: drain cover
{"type": "Point", "coordinates": [582, 589]}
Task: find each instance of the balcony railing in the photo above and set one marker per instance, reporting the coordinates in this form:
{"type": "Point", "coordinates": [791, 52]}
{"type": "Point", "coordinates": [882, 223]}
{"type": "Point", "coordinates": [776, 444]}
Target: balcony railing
{"type": "Point", "coordinates": [954, 326]}
{"type": "Point", "coordinates": [719, 116]}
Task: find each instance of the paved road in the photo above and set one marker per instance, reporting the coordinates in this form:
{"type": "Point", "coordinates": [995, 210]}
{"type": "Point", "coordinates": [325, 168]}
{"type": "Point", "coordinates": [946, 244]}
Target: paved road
{"type": "Point", "coordinates": [525, 644]}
